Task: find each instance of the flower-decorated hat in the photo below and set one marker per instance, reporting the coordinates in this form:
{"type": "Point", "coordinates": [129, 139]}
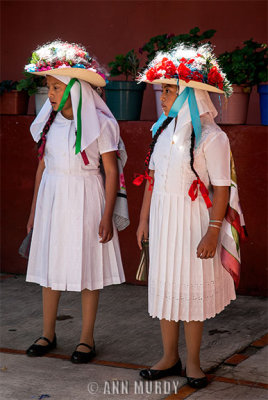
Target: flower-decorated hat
{"type": "Point", "coordinates": [188, 66]}
{"type": "Point", "coordinates": [66, 59]}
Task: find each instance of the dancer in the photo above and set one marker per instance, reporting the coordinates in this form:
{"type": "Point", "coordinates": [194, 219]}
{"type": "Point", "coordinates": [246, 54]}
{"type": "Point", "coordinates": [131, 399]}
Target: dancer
{"type": "Point", "coordinates": [189, 156]}
{"type": "Point", "coordinates": [75, 243]}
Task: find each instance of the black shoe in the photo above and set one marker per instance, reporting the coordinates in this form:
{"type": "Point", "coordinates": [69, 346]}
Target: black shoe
{"type": "Point", "coordinates": [37, 350]}
{"type": "Point", "coordinates": [153, 374]}
{"type": "Point", "coordinates": [197, 383]}
{"type": "Point", "coordinates": [80, 357]}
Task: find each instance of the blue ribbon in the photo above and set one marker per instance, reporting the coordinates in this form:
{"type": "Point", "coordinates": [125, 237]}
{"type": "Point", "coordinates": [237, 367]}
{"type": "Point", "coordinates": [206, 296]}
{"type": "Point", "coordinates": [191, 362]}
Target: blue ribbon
{"type": "Point", "coordinates": [189, 94]}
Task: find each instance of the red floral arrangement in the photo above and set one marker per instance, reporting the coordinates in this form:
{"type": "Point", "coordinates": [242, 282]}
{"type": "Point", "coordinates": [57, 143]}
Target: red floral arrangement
{"type": "Point", "coordinates": [156, 72]}
{"type": "Point", "coordinates": [215, 78]}
{"type": "Point", "coordinates": [188, 64]}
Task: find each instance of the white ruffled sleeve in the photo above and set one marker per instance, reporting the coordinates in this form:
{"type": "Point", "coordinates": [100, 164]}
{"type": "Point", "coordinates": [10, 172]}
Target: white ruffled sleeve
{"type": "Point", "coordinates": [217, 154]}
{"type": "Point", "coordinates": [109, 137]}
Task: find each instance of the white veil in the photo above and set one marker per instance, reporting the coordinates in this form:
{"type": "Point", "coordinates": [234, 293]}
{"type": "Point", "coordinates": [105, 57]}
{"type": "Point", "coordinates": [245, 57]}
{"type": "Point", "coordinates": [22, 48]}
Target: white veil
{"type": "Point", "coordinates": [91, 104]}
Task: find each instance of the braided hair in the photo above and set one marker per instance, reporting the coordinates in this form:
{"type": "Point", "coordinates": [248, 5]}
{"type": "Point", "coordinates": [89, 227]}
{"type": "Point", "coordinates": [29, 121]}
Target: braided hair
{"type": "Point", "coordinates": [42, 142]}
{"type": "Point", "coordinates": [156, 136]}
{"type": "Point", "coordinates": [192, 154]}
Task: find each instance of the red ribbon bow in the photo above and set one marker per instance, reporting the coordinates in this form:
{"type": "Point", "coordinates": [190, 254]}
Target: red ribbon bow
{"type": "Point", "coordinates": [193, 191]}
{"type": "Point", "coordinates": [140, 178]}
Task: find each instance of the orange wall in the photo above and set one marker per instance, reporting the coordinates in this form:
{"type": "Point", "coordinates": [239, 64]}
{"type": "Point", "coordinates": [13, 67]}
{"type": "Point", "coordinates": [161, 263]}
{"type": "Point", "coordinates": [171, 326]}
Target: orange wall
{"type": "Point", "coordinates": [108, 28]}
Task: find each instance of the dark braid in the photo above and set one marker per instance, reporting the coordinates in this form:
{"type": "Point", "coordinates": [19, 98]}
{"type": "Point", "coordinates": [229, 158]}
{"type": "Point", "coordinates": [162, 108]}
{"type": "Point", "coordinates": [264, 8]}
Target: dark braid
{"type": "Point", "coordinates": [46, 128]}
{"type": "Point", "coordinates": [192, 154]}
{"type": "Point", "coordinates": [156, 136]}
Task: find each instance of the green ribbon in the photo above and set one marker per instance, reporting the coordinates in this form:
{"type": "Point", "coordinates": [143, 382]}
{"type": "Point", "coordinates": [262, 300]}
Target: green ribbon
{"type": "Point", "coordinates": [79, 109]}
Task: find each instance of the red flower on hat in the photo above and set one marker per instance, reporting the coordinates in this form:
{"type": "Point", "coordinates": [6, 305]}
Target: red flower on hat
{"type": "Point", "coordinates": [152, 74]}
{"type": "Point", "coordinates": [196, 76]}
{"type": "Point", "coordinates": [190, 61]}
{"type": "Point", "coordinates": [168, 66]}
{"type": "Point", "coordinates": [81, 54]}
{"type": "Point", "coordinates": [161, 63]}
{"type": "Point", "coordinates": [184, 72]}
{"type": "Point", "coordinates": [215, 78]}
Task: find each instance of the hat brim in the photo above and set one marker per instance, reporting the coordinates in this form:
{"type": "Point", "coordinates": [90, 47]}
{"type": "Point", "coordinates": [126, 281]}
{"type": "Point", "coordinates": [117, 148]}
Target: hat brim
{"type": "Point", "coordinates": [79, 73]}
{"type": "Point", "coordinates": [192, 84]}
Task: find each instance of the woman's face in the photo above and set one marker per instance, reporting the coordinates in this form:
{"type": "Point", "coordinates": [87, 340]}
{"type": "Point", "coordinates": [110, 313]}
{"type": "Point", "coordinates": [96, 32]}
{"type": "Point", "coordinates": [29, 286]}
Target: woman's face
{"type": "Point", "coordinates": [168, 96]}
{"type": "Point", "coordinates": [56, 89]}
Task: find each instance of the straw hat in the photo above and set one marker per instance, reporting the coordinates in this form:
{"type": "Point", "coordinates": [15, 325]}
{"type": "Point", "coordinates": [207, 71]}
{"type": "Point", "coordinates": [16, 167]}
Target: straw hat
{"type": "Point", "coordinates": [66, 59]}
{"type": "Point", "coordinates": [187, 66]}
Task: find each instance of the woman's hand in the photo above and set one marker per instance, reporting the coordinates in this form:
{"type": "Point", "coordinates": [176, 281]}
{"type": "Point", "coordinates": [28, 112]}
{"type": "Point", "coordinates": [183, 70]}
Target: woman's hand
{"type": "Point", "coordinates": [208, 244]}
{"type": "Point", "coordinates": [30, 222]}
{"type": "Point", "coordinates": [142, 232]}
{"type": "Point", "coordinates": [143, 228]}
{"type": "Point", "coordinates": [106, 229]}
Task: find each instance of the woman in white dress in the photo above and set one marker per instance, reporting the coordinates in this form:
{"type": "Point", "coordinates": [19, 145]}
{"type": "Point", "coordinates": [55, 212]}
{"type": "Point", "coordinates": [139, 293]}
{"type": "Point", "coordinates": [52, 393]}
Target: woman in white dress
{"type": "Point", "coordinates": [74, 243]}
{"type": "Point", "coordinates": [189, 154]}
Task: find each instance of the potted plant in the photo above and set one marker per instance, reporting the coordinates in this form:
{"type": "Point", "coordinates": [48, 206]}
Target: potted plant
{"type": "Point", "coordinates": [12, 102]}
{"type": "Point", "coordinates": [124, 98]}
{"type": "Point", "coordinates": [263, 84]}
{"type": "Point", "coordinates": [34, 85]}
{"type": "Point", "coordinates": [167, 41]}
{"type": "Point", "coordinates": [244, 68]}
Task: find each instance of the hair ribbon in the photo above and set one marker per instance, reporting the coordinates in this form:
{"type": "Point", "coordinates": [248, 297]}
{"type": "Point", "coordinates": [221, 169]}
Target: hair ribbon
{"type": "Point", "coordinates": [189, 94]}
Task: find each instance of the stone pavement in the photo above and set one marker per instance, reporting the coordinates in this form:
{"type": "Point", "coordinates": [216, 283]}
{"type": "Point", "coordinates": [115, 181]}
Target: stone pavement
{"type": "Point", "coordinates": [233, 349]}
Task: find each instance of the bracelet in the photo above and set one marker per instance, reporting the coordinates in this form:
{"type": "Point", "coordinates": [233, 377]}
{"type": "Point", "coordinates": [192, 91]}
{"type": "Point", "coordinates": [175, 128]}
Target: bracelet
{"type": "Point", "coordinates": [215, 220]}
{"type": "Point", "coordinates": [215, 226]}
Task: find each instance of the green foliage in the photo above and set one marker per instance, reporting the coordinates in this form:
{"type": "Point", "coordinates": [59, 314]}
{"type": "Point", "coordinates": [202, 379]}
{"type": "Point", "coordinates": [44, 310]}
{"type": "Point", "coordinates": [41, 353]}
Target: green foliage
{"type": "Point", "coordinates": [30, 83]}
{"type": "Point", "coordinates": [246, 65]}
{"type": "Point", "coordinates": [127, 65]}
{"type": "Point", "coordinates": [7, 86]}
{"type": "Point", "coordinates": [167, 41]}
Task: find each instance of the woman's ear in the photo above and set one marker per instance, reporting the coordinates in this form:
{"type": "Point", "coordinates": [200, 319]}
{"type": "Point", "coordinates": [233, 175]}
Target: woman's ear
{"type": "Point", "coordinates": [99, 90]}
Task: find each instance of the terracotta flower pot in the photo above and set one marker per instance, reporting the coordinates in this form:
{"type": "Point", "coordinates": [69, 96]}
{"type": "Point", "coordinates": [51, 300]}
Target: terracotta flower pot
{"type": "Point", "coordinates": [234, 110]}
{"type": "Point", "coordinates": [14, 103]}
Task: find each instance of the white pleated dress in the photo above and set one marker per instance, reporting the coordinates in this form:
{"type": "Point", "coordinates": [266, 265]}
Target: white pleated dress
{"type": "Point", "coordinates": [182, 286]}
{"type": "Point", "coordinates": [65, 251]}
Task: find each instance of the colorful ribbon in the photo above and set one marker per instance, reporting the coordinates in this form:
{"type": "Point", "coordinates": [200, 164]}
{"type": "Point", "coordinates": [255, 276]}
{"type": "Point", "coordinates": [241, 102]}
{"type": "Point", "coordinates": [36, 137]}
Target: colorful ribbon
{"type": "Point", "coordinates": [84, 156]}
{"type": "Point", "coordinates": [233, 218]}
{"type": "Point", "coordinates": [231, 264]}
{"type": "Point", "coordinates": [79, 109]}
{"type": "Point", "coordinates": [189, 94]}
{"type": "Point", "coordinates": [193, 191]}
{"type": "Point", "coordinates": [140, 178]}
